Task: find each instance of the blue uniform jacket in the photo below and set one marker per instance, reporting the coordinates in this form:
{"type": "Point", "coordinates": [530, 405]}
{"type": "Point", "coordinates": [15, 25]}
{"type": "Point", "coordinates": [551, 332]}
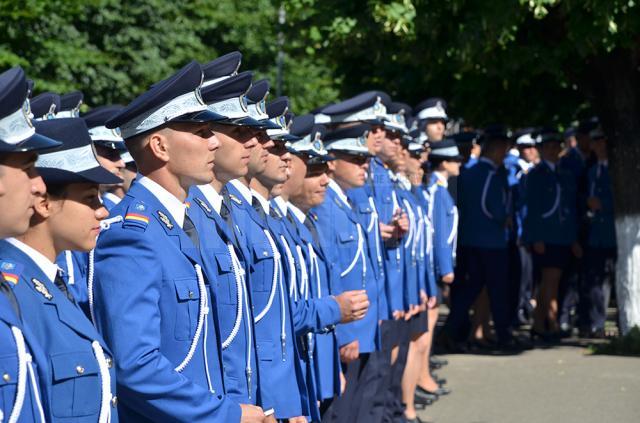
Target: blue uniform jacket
{"type": "Point", "coordinates": [226, 270]}
{"type": "Point", "coordinates": [424, 200]}
{"type": "Point", "coordinates": [364, 204]}
{"type": "Point", "coordinates": [19, 357]}
{"type": "Point", "coordinates": [602, 227]}
{"type": "Point", "coordinates": [551, 206]}
{"type": "Point", "coordinates": [483, 206]}
{"type": "Point", "coordinates": [77, 377]}
{"type": "Point", "coordinates": [277, 358]}
{"type": "Point", "coordinates": [325, 355]}
{"type": "Point", "coordinates": [445, 227]}
{"type": "Point", "coordinates": [343, 241]}
{"type": "Point", "coordinates": [412, 283]}
{"type": "Point", "coordinates": [149, 305]}
{"type": "Point", "coordinates": [385, 199]}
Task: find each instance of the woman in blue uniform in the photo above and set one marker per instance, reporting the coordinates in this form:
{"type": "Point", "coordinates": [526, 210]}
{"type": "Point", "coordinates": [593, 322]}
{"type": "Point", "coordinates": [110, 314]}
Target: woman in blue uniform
{"type": "Point", "coordinates": [78, 376]}
{"type": "Point", "coordinates": [550, 228]}
{"type": "Point", "coordinates": [20, 184]}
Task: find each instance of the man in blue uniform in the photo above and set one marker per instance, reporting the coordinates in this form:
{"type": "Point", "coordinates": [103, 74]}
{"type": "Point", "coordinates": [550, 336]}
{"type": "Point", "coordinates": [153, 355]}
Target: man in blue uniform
{"type": "Point", "coordinates": [225, 263]}
{"type": "Point", "coordinates": [601, 249]}
{"type": "Point", "coordinates": [20, 184]}
{"type": "Point", "coordinates": [78, 378]}
{"type": "Point", "coordinates": [344, 241]}
{"type": "Point", "coordinates": [160, 323]}
{"type": "Point", "coordinates": [484, 221]}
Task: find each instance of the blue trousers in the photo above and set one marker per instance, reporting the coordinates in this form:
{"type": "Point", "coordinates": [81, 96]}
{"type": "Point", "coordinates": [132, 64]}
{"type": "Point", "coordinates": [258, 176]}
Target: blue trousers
{"type": "Point", "coordinates": [485, 267]}
{"type": "Point", "coordinates": [599, 268]}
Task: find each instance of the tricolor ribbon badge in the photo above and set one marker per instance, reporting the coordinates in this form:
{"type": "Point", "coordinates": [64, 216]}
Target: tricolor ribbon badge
{"type": "Point", "coordinates": [137, 217]}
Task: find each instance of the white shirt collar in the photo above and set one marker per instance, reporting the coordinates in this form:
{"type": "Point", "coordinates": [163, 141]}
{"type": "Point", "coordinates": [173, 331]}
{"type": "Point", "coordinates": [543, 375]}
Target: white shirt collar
{"type": "Point", "coordinates": [489, 161]}
{"type": "Point", "coordinates": [111, 197]}
{"type": "Point", "coordinates": [281, 204]}
{"type": "Point", "coordinates": [263, 201]}
{"type": "Point", "coordinates": [552, 166]}
{"type": "Point", "coordinates": [336, 188]}
{"type": "Point", "coordinates": [212, 196]}
{"type": "Point", "coordinates": [176, 208]}
{"type": "Point", "coordinates": [244, 190]}
{"type": "Point", "coordinates": [442, 179]}
{"type": "Point", "coordinates": [49, 268]}
{"type": "Point", "coordinates": [297, 213]}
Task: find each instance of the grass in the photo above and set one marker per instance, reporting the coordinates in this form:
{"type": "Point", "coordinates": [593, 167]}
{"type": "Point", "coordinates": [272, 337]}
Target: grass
{"type": "Point", "coordinates": [628, 345]}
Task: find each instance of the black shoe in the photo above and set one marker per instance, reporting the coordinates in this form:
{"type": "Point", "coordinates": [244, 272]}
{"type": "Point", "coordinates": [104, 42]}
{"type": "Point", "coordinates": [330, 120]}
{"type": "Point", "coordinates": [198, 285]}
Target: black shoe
{"type": "Point", "coordinates": [438, 392]}
{"type": "Point", "coordinates": [446, 344]}
{"type": "Point", "coordinates": [425, 395]}
{"type": "Point", "coordinates": [439, 380]}
{"type": "Point", "coordinates": [422, 401]}
{"type": "Point", "coordinates": [416, 420]}
{"type": "Point", "coordinates": [438, 361]}
{"type": "Point", "coordinates": [510, 346]}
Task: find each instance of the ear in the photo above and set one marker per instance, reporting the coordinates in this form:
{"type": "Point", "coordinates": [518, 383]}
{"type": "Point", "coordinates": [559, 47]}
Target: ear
{"type": "Point", "coordinates": [44, 206]}
{"type": "Point", "coordinates": [332, 165]}
{"type": "Point", "coordinates": [158, 143]}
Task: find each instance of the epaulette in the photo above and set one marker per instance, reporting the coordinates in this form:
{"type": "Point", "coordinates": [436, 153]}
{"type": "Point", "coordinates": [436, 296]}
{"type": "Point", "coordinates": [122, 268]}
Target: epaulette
{"type": "Point", "coordinates": [136, 217]}
{"type": "Point", "coordinates": [11, 271]}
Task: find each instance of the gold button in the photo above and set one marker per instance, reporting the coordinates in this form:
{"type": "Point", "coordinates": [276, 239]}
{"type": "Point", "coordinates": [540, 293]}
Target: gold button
{"type": "Point", "coordinates": [6, 377]}
{"type": "Point", "coordinates": [264, 253]}
{"type": "Point", "coordinates": [80, 370]}
{"type": "Point", "coordinates": [114, 401]}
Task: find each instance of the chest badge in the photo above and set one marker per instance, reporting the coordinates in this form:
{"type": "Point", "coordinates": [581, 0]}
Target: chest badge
{"type": "Point", "coordinates": [165, 220]}
{"type": "Point", "coordinates": [41, 288]}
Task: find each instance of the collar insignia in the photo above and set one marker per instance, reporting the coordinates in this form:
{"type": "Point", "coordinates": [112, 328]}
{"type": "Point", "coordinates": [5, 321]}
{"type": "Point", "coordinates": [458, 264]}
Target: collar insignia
{"type": "Point", "coordinates": [202, 204]}
{"type": "Point", "coordinates": [235, 199]}
{"type": "Point", "coordinates": [41, 288]}
{"type": "Point", "coordinates": [165, 219]}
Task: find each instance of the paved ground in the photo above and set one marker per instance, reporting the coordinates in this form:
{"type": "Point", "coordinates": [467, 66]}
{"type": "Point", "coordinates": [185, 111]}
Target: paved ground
{"type": "Point", "coordinates": [561, 384]}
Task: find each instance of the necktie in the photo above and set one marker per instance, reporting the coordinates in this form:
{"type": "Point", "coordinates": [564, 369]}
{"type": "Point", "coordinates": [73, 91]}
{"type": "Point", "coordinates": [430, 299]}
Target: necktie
{"type": "Point", "coordinates": [255, 203]}
{"type": "Point", "coordinates": [62, 286]}
{"type": "Point", "coordinates": [308, 222]}
{"type": "Point", "coordinates": [8, 292]}
{"type": "Point", "coordinates": [190, 229]}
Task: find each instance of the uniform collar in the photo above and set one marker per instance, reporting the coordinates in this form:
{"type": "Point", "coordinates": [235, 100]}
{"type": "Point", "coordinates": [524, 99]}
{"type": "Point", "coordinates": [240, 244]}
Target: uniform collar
{"type": "Point", "coordinates": [297, 213]}
{"type": "Point", "coordinates": [212, 196]}
{"type": "Point", "coordinates": [443, 181]}
{"type": "Point", "coordinates": [263, 201]}
{"type": "Point", "coordinates": [111, 197]}
{"type": "Point", "coordinates": [336, 188]}
{"type": "Point", "coordinates": [488, 161]}
{"type": "Point", "coordinates": [175, 207]}
{"type": "Point", "coordinates": [552, 166]}
{"type": "Point", "coordinates": [245, 191]}
{"type": "Point", "coordinates": [281, 204]}
{"type": "Point", "coordinates": [49, 268]}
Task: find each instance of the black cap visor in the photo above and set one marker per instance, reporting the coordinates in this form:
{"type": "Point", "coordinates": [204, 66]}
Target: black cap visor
{"type": "Point", "coordinates": [36, 142]}
{"type": "Point", "coordinates": [96, 175]}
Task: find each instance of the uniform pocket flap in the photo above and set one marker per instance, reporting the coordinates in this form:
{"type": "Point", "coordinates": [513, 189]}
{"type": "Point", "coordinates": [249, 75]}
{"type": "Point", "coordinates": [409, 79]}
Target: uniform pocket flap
{"type": "Point", "coordinates": [224, 262]}
{"type": "Point", "coordinates": [73, 364]}
{"type": "Point", "coordinates": [365, 208]}
{"type": "Point", "coordinates": [187, 289]}
{"type": "Point", "coordinates": [8, 370]}
{"type": "Point", "coordinates": [262, 250]}
{"type": "Point", "coordinates": [346, 237]}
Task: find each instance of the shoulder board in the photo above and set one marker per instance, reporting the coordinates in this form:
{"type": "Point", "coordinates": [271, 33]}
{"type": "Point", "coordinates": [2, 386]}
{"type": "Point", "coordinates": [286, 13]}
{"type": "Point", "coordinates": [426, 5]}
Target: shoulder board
{"type": "Point", "coordinates": [11, 271]}
{"type": "Point", "coordinates": [204, 206]}
{"type": "Point", "coordinates": [235, 199]}
{"type": "Point", "coordinates": [136, 216]}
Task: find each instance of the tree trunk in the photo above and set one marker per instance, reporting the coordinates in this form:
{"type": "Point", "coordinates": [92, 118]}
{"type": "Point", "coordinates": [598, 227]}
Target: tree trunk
{"type": "Point", "coordinates": [615, 81]}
